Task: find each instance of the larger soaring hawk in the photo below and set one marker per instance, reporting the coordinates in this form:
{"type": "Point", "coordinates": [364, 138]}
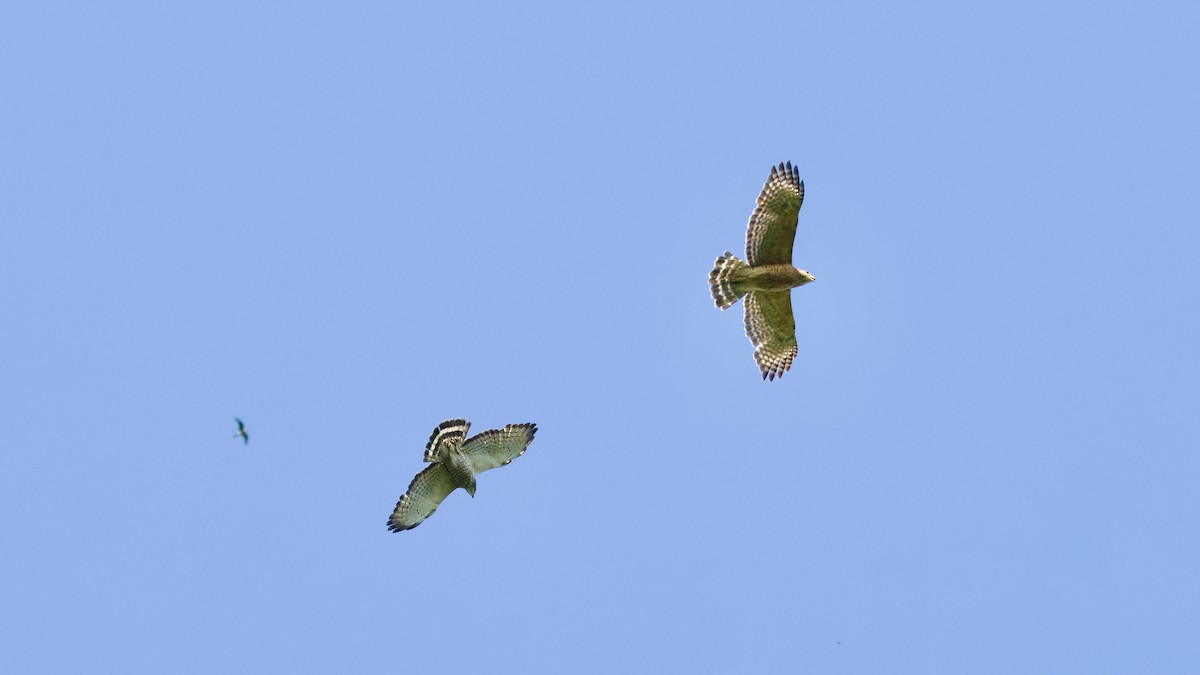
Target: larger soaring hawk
{"type": "Point", "coordinates": [769, 277]}
{"type": "Point", "coordinates": [456, 460]}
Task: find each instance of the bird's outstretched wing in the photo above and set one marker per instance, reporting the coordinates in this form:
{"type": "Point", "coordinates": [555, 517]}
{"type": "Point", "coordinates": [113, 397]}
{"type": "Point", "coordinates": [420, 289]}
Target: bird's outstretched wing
{"type": "Point", "coordinates": [497, 447]}
{"type": "Point", "coordinates": [772, 330]}
{"type": "Point", "coordinates": [241, 426]}
{"type": "Point", "coordinates": [772, 227]}
{"type": "Point", "coordinates": [425, 493]}
{"type": "Point", "coordinates": [448, 432]}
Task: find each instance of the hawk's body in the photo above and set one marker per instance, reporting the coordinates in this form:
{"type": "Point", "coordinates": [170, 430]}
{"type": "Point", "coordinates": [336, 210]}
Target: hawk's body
{"type": "Point", "coordinates": [455, 460]}
{"type": "Point", "coordinates": [773, 278]}
{"type": "Point", "coordinates": [768, 276]}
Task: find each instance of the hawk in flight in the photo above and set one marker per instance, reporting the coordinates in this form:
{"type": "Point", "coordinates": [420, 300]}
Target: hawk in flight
{"type": "Point", "coordinates": [241, 432]}
{"type": "Point", "coordinates": [767, 276]}
{"type": "Point", "coordinates": [454, 462]}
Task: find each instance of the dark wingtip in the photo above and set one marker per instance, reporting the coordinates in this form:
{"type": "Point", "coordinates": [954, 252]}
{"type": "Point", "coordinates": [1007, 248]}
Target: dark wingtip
{"type": "Point", "coordinates": [396, 527]}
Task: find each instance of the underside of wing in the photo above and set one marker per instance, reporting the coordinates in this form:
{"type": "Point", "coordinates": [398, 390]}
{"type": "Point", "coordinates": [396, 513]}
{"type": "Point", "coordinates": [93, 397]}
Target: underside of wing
{"type": "Point", "coordinates": [772, 227]}
{"type": "Point", "coordinates": [425, 493]}
{"type": "Point", "coordinates": [497, 447]}
{"type": "Point", "coordinates": [772, 330]}
{"type": "Point", "coordinates": [449, 432]}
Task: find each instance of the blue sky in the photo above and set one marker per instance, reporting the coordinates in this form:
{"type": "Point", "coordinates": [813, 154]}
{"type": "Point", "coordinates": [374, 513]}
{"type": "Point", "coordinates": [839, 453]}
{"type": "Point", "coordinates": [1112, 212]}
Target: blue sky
{"type": "Point", "coordinates": [346, 223]}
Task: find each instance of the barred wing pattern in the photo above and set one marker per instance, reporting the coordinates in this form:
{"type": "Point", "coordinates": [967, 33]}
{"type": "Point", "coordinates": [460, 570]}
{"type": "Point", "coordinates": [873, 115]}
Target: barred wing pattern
{"type": "Point", "coordinates": [426, 491]}
{"type": "Point", "coordinates": [772, 227]}
{"type": "Point", "coordinates": [772, 330]}
{"type": "Point", "coordinates": [497, 447]}
{"type": "Point", "coordinates": [448, 432]}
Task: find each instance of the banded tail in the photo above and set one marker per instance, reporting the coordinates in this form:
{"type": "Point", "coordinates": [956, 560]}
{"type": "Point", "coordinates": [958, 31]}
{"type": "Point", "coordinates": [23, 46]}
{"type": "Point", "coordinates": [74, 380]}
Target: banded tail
{"type": "Point", "coordinates": [451, 431]}
{"type": "Point", "coordinates": [723, 280]}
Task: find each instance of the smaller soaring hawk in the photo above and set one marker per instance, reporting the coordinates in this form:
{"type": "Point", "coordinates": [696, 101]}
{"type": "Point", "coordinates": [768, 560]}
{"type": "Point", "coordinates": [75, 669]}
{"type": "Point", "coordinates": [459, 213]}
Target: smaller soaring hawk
{"type": "Point", "coordinates": [769, 277]}
{"type": "Point", "coordinates": [456, 460]}
{"type": "Point", "coordinates": [241, 432]}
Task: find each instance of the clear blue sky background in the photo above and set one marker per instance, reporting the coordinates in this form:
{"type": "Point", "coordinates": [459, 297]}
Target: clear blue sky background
{"type": "Point", "coordinates": [347, 222]}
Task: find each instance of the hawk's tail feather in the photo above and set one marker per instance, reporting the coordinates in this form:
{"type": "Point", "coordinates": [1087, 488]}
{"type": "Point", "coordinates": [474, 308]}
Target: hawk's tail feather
{"type": "Point", "coordinates": [723, 280]}
{"type": "Point", "coordinates": [450, 431]}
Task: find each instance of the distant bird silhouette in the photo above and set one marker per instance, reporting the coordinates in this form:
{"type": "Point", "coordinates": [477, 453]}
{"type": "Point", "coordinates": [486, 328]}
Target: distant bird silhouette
{"type": "Point", "coordinates": [241, 432]}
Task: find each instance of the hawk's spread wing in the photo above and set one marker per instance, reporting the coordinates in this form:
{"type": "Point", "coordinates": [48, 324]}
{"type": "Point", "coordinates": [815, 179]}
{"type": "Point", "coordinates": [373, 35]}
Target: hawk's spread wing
{"type": "Point", "coordinates": [497, 447]}
{"type": "Point", "coordinates": [772, 331]}
{"type": "Point", "coordinates": [772, 227]}
{"type": "Point", "coordinates": [448, 432]}
{"type": "Point", "coordinates": [425, 493]}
